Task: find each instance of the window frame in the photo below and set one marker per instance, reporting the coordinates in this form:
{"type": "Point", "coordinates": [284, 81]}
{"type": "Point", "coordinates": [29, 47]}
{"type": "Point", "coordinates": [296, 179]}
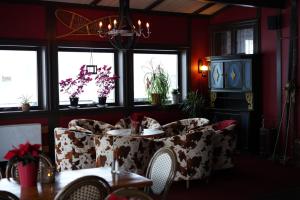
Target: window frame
{"type": "Point", "coordinates": [94, 50]}
{"type": "Point", "coordinates": [158, 51]}
{"type": "Point", "coordinates": [40, 50]}
{"type": "Point", "coordinates": [233, 28]}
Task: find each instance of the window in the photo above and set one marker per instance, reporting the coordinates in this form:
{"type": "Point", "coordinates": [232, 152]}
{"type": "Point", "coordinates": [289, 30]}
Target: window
{"type": "Point", "coordinates": [18, 76]}
{"type": "Point", "coordinates": [142, 64]}
{"type": "Point", "coordinates": [244, 40]}
{"type": "Point", "coordinates": [69, 63]}
{"type": "Point", "coordinates": [235, 38]}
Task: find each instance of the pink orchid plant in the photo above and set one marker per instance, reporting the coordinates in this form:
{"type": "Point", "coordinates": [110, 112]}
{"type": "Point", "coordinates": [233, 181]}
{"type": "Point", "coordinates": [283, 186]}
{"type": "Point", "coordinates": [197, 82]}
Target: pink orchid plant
{"type": "Point", "coordinates": [104, 81]}
{"type": "Point", "coordinates": [74, 87]}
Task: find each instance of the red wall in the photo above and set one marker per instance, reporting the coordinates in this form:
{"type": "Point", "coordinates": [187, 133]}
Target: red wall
{"type": "Point", "coordinates": [22, 21]}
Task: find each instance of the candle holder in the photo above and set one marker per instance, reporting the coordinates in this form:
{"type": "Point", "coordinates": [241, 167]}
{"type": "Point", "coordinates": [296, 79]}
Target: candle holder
{"type": "Point", "coordinates": [47, 175]}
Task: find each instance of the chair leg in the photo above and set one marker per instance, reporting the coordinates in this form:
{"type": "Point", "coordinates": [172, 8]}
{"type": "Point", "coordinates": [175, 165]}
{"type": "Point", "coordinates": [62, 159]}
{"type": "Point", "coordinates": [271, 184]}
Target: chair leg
{"type": "Point", "coordinates": [187, 184]}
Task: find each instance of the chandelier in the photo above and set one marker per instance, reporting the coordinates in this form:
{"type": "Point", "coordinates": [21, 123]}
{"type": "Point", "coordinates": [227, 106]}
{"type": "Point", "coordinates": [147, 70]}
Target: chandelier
{"type": "Point", "coordinates": [122, 34]}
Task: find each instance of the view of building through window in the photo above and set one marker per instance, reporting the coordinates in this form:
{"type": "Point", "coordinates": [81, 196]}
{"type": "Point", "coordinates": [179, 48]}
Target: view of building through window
{"type": "Point", "coordinates": [69, 63]}
{"type": "Point", "coordinates": [18, 77]}
{"type": "Point", "coordinates": [144, 63]}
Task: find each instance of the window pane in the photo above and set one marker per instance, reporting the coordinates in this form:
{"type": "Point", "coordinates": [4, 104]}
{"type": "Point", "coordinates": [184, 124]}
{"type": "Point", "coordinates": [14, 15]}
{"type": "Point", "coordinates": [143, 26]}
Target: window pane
{"type": "Point", "coordinates": [222, 43]}
{"type": "Point", "coordinates": [244, 39]}
{"type": "Point", "coordinates": [69, 64]}
{"type": "Point", "coordinates": [18, 77]}
{"type": "Point", "coordinates": [169, 62]}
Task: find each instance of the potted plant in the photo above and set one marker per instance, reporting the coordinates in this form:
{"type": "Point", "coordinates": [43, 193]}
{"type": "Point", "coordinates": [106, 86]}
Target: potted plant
{"type": "Point", "coordinates": [175, 96]}
{"type": "Point", "coordinates": [105, 83]}
{"type": "Point", "coordinates": [157, 85]}
{"type": "Point", "coordinates": [74, 87]}
{"type": "Point", "coordinates": [194, 104]}
{"type": "Point", "coordinates": [25, 103]}
{"type": "Point", "coordinates": [27, 158]}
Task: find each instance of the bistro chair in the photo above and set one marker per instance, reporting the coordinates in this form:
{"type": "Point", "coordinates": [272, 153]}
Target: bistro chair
{"type": "Point", "coordinates": [4, 195]}
{"type": "Point", "coordinates": [128, 193]}
{"type": "Point", "coordinates": [85, 188]}
{"type": "Point", "coordinates": [44, 162]}
{"type": "Point", "coordinates": [161, 171]}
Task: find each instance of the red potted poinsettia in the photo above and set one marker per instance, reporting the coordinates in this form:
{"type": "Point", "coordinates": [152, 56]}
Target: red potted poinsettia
{"type": "Point", "coordinates": [27, 158]}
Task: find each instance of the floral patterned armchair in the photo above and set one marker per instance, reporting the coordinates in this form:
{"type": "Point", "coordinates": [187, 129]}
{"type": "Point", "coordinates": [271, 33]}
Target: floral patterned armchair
{"type": "Point", "coordinates": [133, 152]}
{"type": "Point", "coordinates": [74, 147]}
{"type": "Point", "coordinates": [224, 143]}
{"type": "Point", "coordinates": [193, 147]}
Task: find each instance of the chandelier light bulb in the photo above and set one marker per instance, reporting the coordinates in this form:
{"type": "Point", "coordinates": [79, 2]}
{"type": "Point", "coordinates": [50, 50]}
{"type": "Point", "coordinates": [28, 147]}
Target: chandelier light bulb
{"type": "Point", "coordinates": [109, 26]}
{"type": "Point", "coordinates": [147, 25]}
{"type": "Point", "coordinates": [100, 24]}
{"type": "Point", "coordinates": [115, 23]}
{"type": "Point", "coordinates": [139, 22]}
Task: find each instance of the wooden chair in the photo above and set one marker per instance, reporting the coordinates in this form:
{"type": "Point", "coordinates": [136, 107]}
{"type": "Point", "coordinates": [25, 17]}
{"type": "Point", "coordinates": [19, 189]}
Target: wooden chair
{"type": "Point", "coordinates": [12, 169]}
{"type": "Point", "coordinates": [161, 171]}
{"type": "Point", "coordinates": [4, 195]}
{"type": "Point", "coordinates": [85, 188]}
{"type": "Point", "coordinates": [128, 193]}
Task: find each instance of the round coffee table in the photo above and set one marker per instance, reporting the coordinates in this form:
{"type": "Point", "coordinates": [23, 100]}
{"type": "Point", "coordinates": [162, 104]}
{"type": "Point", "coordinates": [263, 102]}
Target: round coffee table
{"type": "Point", "coordinates": [127, 132]}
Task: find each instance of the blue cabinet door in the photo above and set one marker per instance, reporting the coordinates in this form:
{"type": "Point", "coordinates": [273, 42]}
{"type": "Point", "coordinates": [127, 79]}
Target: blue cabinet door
{"type": "Point", "coordinates": [233, 75]}
{"type": "Point", "coordinates": [216, 75]}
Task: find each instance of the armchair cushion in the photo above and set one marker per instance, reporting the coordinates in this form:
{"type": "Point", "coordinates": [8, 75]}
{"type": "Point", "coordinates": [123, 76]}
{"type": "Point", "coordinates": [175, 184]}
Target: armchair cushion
{"type": "Point", "coordinates": [96, 127]}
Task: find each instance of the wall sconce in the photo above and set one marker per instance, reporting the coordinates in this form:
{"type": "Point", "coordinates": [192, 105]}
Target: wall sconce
{"type": "Point", "coordinates": [202, 68]}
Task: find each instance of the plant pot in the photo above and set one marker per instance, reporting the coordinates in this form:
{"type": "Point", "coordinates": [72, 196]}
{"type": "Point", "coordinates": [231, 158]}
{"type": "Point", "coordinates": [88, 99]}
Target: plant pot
{"type": "Point", "coordinates": [28, 174]}
{"type": "Point", "coordinates": [25, 107]}
{"type": "Point", "coordinates": [175, 98]}
{"type": "Point", "coordinates": [155, 99]}
{"type": "Point", "coordinates": [102, 100]}
{"type": "Point", "coordinates": [74, 101]}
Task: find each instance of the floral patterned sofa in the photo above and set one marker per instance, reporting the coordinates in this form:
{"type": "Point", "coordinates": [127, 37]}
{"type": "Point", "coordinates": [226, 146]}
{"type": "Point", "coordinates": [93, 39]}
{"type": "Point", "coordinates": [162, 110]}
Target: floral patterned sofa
{"type": "Point", "coordinates": [74, 146]}
{"type": "Point", "coordinates": [192, 145]}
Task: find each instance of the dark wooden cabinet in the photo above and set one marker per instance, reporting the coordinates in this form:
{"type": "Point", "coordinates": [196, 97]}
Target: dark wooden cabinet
{"type": "Point", "coordinates": [234, 95]}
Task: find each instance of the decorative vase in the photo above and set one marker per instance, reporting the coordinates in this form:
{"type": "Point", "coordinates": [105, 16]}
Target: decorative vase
{"type": "Point", "coordinates": [74, 101]}
{"type": "Point", "coordinates": [155, 97]}
{"type": "Point", "coordinates": [28, 174]}
{"type": "Point", "coordinates": [102, 100]}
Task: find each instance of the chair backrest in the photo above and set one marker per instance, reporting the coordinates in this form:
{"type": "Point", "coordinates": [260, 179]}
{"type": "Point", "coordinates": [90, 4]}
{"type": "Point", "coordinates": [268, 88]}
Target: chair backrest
{"type": "Point", "coordinates": [161, 171]}
{"type": "Point", "coordinates": [128, 193]}
{"type": "Point", "coordinates": [12, 169]}
{"type": "Point", "coordinates": [147, 122]}
{"type": "Point", "coordinates": [4, 195]}
{"type": "Point", "coordinates": [85, 188]}
{"type": "Point", "coordinates": [96, 127]}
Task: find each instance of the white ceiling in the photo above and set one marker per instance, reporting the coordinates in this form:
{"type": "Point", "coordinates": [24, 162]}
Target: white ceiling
{"type": "Point", "coordinates": [175, 6]}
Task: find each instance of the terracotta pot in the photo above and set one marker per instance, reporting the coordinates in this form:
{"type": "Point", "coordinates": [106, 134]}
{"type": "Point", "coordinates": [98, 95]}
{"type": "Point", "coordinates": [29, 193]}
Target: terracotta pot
{"type": "Point", "coordinates": [25, 107]}
{"type": "Point", "coordinates": [155, 97]}
{"type": "Point", "coordinates": [28, 174]}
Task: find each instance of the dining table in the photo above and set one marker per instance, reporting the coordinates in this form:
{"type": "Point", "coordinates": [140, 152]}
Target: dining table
{"type": "Point", "coordinates": [47, 191]}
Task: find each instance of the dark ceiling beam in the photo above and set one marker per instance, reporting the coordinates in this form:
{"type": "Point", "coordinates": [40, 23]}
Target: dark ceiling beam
{"type": "Point", "coordinates": [94, 2]}
{"type": "Point", "coordinates": [254, 3]}
{"type": "Point", "coordinates": [153, 5]}
{"type": "Point", "coordinates": [206, 6]}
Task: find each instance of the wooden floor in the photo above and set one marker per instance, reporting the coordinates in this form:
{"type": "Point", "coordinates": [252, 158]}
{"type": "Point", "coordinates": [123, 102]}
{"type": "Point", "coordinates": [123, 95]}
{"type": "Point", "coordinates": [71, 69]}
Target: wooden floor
{"type": "Point", "coordinates": [253, 178]}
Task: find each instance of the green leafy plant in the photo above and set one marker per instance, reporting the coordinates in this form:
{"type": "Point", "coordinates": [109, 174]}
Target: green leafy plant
{"type": "Point", "coordinates": [25, 99]}
{"type": "Point", "coordinates": [157, 82]}
{"type": "Point", "coordinates": [194, 104]}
